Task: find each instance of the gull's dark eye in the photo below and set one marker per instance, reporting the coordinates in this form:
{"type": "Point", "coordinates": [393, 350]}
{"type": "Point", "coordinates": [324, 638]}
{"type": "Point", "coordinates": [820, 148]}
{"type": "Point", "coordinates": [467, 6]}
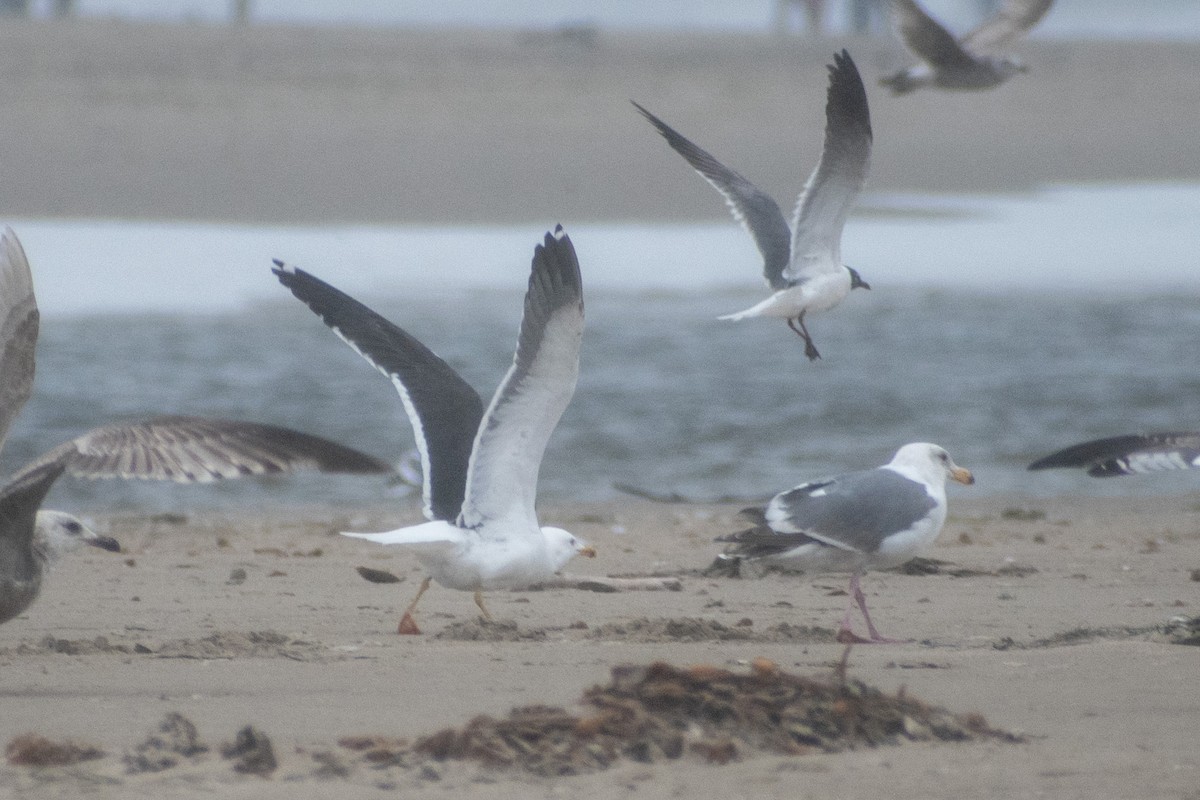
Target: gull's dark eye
{"type": "Point", "coordinates": [73, 528]}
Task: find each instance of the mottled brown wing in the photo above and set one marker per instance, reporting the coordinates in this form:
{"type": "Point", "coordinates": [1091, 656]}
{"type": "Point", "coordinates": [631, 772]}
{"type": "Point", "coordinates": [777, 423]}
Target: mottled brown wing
{"type": "Point", "coordinates": [1011, 21]}
{"type": "Point", "coordinates": [18, 331]}
{"type": "Point", "coordinates": [201, 450]}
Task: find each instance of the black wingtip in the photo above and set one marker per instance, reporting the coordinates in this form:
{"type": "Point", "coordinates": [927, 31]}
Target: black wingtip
{"type": "Point", "coordinates": [847, 96]}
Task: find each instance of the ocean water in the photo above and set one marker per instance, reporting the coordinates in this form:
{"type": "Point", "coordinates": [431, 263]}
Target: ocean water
{"type": "Point", "coordinates": [999, 327]}
{"type": "Point", "coordinates": [1165, 19]}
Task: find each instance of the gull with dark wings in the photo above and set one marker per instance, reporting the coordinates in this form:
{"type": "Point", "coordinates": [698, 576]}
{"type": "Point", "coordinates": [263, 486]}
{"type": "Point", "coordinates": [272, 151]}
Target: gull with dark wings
{"type": "Point", "coordinates": [802, 264]}
{"type": "Point", "coordinates": [966, 63]}
{"type": "Point", "coordinates": [181, 449]}
{"type": "Point", "coordinates": [1131, 454]}
{"type": "Point", "coordinates": [480, 467]}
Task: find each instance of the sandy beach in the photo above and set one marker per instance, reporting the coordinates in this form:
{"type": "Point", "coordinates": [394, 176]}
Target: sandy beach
{"type": "Point", "coordinates": [1052, 618]}
{"type": "Point", "coordinates": [297, 125]}
{"type": "Point", "coordinates": [1045, 617]}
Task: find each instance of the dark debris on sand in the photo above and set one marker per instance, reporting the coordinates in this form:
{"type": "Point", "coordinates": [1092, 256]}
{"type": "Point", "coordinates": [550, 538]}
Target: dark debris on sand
{"type": "Point", "coordinates": [487, 630]}
{"type": "Point", "coordinates": [175, 739]}
{"type": "Point", "coordinates": [695, 629]}
{"type": "Point", "coordinates": [251, 752]}
{"type": "Point", "coordinates": [34, 750]}
{"type": "Point", "coordinates": [1181, 630]}
{"type": "Point", "coordinates": [661, 712]}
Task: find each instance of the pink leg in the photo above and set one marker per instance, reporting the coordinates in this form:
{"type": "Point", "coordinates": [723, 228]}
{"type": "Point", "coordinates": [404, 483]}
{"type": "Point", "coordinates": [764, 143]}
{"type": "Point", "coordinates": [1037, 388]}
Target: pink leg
{"type": "Point", "coordinates": [845, 634]}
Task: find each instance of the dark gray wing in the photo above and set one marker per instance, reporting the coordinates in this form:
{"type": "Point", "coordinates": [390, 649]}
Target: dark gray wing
{"type": "Point", "coordinates": [1129, 455]}
{"type": "Point", "coordinates": [198, 450]}
{"type": "Point", "coordinates": [755, 209]}
{"type": "Point", "coordinates": [855, 511]}
{"type": "Point", "coordinates": [928, 40]}
{"type": "Point", "coordinates": [443, 408]}
{"type": "Point", "coordinates": [20, 500]}
{"type": "Point", "coordinates": [18, 331]}
{"type": "Point", "coordinates": [762, 540]}
{"type": "Point", "coordinates": [502, 480]}
{"type": "Point", "coordinates": [1013, 19]}
{"type": "Point", "coordinates": [834, 185]}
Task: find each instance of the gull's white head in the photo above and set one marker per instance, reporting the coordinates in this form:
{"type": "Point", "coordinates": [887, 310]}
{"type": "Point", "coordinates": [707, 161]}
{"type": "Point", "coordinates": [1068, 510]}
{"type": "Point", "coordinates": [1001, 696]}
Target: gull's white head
{"type": "Point", "coordinates": [563, 546]}
{"type": "Point", "coordinates": [929, 463]}
{"type": "Point", "coordinates": [56, 532]}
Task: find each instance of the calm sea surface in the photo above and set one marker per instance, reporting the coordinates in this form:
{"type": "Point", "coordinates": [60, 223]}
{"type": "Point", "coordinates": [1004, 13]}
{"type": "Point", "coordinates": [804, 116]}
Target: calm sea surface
{"type": "Point", "coordinates": [998, 327]}
{"type": "Point", "coordinates": [1171, 19]}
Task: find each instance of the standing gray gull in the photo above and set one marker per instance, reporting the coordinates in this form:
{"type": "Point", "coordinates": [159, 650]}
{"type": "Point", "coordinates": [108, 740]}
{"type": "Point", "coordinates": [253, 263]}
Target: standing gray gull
{"type": "Point", "coordinates": [181, 449]}
{"type": "Point", "coordinates": [872, 519]}
{"type": "Point", "coordinates": [480, 468]}
{"type": "Point", "coordinates": [1132, 454]}
{"type": "Point", "coordinates": [802, 264]}
{"type": "Point", "coordinates": [966, 63]}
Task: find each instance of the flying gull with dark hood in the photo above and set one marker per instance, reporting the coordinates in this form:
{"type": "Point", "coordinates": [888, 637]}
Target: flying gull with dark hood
{"type": "Point", "coordinates": [802, 264]}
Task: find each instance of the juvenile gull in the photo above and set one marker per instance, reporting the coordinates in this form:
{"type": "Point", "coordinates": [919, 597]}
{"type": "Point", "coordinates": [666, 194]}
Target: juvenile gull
{"type": "Point", "coordinates": [872, 519]}
{"type": "Point", "coordinates": [182, 449]}
{"type": "Point", "coordinates": [1129, 455]}
{"type": "Point", "coordinates": [803, 264]}
{"type": "Point", "coordinates": [480, 468]}
{"type": "Point", "coordinates": [966, 63]}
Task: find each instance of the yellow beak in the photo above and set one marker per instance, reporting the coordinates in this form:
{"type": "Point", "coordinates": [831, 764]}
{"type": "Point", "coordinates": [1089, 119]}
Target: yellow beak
{"type": "Point", "coordinates": [962, 475]}
{"type": "Point", "coordinates": [590, 552]}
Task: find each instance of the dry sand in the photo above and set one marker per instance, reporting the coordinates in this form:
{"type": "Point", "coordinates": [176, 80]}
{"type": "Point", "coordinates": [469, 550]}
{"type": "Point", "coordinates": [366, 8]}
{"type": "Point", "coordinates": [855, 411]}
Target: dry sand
{"type": "Point", "coordinates": [1048, 622]}
{"type": "Point", "coordinates": [1050, 627]}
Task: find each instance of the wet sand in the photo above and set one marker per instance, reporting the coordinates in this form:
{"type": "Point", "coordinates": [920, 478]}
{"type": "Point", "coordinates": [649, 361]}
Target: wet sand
{"type": "Point", "coordinates": [295, 125]}
{"type": "Point", "coordinates": [1049, 626]}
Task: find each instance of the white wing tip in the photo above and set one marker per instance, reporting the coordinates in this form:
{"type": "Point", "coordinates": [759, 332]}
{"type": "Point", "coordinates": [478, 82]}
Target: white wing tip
{"type": "Point", "coordinates": [559, 233]}
{"type": "Point", "coordinates": [280, 266]}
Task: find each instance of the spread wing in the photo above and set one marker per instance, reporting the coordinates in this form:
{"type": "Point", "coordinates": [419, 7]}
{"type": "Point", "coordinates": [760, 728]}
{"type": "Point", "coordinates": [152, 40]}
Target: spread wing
{"type": "Point", "coordinates": [18, 331]}
{"type": "Point", "coordinates": [20, 500]}
{"type": "Point", "coordinates": [197, 450]}
{"type": "Point", "coordinates": [1129, 455]}
{"type": "Point", "coordinates": [503, 475]}
{"type": "Point", "coordinates": [834, 185]}
{"type": "Point", "coordinates": [1013, 19]}
{"type": "Point", "coordinates": [443, 408]}
{"type": "Point", "coordinates": [754, 209]}
{"type": "Point", "coordinates": [927, 39]}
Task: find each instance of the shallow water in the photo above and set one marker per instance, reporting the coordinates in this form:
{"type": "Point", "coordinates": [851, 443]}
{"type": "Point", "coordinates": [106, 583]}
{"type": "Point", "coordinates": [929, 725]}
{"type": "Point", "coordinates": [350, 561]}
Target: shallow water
{"type": "Point", "coordinates": [1173, 19]}
{"type": "Point", "coordinates": [1001, 328]}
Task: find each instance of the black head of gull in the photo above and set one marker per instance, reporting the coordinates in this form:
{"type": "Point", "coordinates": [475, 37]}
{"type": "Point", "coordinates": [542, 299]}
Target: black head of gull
{"type": "Point", "coordinates": [479, 466]}
{"type": "Point", "coordinates": [966, 63]}
{"type": "Point", "coordinates": [872, 519]}
{"type": "Point", "coordinates": [1131, 454]}
{"type": "Point", "coordinates": [182, 449]}
{"type": "Point", "coordinates": [802, 263]}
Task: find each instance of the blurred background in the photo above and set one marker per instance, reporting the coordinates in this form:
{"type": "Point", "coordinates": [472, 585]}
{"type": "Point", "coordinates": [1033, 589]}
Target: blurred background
{"type": "Point", "coordinates": [1032, 248]}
